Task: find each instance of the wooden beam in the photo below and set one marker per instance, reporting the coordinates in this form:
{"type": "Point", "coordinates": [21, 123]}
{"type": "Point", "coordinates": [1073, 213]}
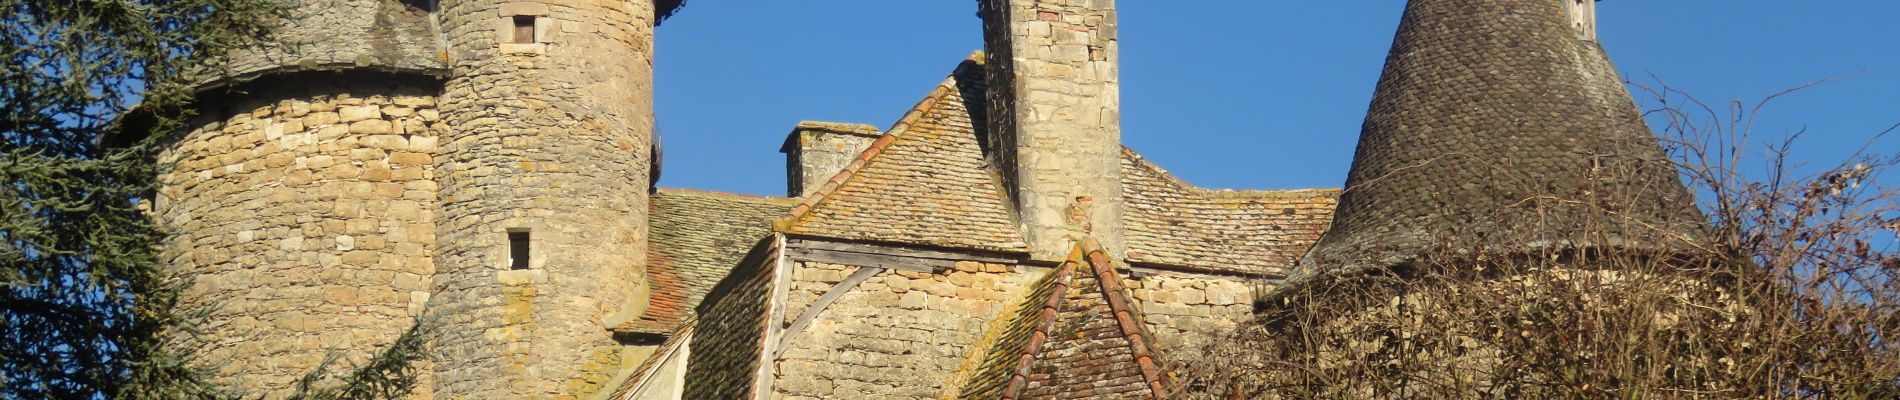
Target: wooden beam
{"type": "Point", "coordinates": [888, 256]}
{"type": "Point", "coordinates": [811, 312]}
{"type": "Point", "coordinates": [903, 251]}
{"type": "Point", "coordinates": [870, 260]}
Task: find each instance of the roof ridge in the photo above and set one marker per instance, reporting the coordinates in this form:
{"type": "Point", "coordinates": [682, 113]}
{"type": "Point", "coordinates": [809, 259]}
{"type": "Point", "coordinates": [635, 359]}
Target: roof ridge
{"type": "Point", "coordinates": [1127, 318]}
{"type": "Point", "coordinates": [732, 195]}
{"type": "Point", "coordinates": [1045, 321]}
{"type": "Point", "coordinates": [803, 209]}
{"type": "Point", "coordinates": [1223, 192]}
{"type": "Point", "coordinates": [1090, 253]}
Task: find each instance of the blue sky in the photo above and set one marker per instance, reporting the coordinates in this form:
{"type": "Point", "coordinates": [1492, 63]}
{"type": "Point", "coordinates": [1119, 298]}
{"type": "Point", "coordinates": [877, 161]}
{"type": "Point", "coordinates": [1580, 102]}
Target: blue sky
{"type": "Point", "coordinates": [1227, 94]}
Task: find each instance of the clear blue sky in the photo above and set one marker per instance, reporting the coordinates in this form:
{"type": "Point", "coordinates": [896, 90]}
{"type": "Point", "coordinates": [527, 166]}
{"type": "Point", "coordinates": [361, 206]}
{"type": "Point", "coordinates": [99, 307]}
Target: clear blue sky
{"type": "Point", "coordinates": [1225, 94]}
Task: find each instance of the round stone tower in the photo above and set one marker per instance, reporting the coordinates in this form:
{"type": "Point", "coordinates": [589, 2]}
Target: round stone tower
{"type": "Point", "coordinates": [1501, 125]}
{"type": "Point", "coordinates": [544, 180]}
{"type": "Point", "coordinates": [303, 199]}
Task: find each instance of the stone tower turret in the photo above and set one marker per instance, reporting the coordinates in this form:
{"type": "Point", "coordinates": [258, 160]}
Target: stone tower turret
{"type": "Point", "coordinates": [302, 199]}
{"type": "Point", "coordinates": [1055, 119]}
{"type": "Point", "coordinates": [544, 180]}
{"type": "Point", "coordinates": [1500, 124]}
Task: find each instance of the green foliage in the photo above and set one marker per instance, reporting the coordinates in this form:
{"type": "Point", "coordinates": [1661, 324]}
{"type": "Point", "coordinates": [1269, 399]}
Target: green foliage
{"type": "Point", "coordinates": [85, 302]}
{"type": "Point", "coordinates": [392, 374]}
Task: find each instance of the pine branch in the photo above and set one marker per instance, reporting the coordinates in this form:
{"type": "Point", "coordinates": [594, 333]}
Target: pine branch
{"type": "Point", "coordinates": [392, 374]}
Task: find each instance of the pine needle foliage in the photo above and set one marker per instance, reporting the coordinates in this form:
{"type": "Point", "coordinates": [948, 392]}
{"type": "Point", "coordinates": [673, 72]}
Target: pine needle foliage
{"type": "Point", "coordinates": [86, 304]}
{"type": "Point", "coordinates": [391, 374]}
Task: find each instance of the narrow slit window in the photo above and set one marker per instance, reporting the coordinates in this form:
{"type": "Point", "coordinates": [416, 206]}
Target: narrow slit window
{"type": "Point", "coordinates": [518, 250]}
{"type": "Point", "coordinates": [524, 29]}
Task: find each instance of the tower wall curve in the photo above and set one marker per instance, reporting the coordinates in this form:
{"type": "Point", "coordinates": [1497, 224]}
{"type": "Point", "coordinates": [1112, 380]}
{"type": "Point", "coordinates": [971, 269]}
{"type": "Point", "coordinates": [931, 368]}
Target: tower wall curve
{"type": "Point", "coordinates": [303, 209]}
{"type": "Point", "coordinates": [544, 181]}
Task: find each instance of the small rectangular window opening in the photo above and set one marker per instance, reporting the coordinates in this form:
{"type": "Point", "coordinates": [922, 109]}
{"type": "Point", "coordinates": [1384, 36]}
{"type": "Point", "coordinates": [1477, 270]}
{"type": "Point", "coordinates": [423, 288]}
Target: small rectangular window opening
{"type": "Point", "coordinates": [518, 250]}
{"type": "Point", "coordinates": [524, 29]}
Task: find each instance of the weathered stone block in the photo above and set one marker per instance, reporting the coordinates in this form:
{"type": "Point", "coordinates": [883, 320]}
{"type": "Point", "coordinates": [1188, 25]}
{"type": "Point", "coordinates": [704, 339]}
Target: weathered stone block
{"type": "Point", "coordinates": [359, 113]}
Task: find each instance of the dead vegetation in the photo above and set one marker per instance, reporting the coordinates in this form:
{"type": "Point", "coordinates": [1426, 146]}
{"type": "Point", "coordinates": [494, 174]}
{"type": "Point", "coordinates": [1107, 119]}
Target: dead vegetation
{"type": "Point", "coordinates": [1792, 294]}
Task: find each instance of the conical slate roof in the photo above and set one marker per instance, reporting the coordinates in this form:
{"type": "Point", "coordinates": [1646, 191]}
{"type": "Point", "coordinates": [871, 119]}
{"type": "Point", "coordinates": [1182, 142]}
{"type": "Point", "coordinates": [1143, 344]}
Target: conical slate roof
{"type": "Point", "coordinates": [1496, 127]}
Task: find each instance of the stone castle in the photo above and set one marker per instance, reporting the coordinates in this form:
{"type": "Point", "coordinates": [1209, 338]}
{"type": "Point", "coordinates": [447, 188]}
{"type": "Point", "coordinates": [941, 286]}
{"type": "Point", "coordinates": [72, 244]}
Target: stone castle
{"type": "Point", "coordinates": [492, 162]}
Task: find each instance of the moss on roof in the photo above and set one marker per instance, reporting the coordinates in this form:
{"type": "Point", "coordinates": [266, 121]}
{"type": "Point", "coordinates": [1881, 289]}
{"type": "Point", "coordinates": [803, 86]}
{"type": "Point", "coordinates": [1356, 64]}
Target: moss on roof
{"type": "Point", "coordinates": [1076, 333]}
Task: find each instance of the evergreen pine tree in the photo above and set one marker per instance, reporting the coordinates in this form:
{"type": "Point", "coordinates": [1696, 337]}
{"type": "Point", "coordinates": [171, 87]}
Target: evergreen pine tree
{"type": "Point", "coordinates": [86, 304]}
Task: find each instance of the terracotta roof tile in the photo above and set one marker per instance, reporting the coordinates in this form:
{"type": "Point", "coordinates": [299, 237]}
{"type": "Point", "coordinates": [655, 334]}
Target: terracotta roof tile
{"type": "Point", "coordinates": [1255, 232]}
{"type": "Point", "coordinates": [924, 182]}
{"type": "Point", "coordinates": [1074, 334]}
{"type": "Point", "coordinates": [1008, 352]}
{"type": "Point", "coordinates": [696, 238]}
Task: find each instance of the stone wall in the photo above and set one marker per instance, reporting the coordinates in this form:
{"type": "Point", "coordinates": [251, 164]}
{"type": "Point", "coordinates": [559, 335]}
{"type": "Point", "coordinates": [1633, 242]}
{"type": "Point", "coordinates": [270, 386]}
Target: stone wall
{"type": "Point", "coordinates": [901, 334]}
{"type": "Point", "coordinates": [1055, 125]}
{"type": "Point", "coordinates": [308, 211]}
{"type": "Point", "coordinates": [1185, 311]}
{"type": "Point", "coordinates": [551, 135]}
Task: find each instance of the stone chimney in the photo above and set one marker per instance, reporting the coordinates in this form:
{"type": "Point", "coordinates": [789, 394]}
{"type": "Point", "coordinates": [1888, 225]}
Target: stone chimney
{"type": "Point", "coordinates": [1054, 119]}
{"type": "Point", "coordinates": [1583, 17]}
{"type": "Point", "coordinates": [1496, 127]}
{"type": "Point", "coordinates": [815, 151]}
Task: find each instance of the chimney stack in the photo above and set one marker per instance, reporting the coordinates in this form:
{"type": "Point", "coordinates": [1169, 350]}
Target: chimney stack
{"type": "Point", "coordinates": [815, 151]}
{"type": "Point", "coordinates": [1583, 17]}
{"type": "Point", "coordinates": [1054, 119]}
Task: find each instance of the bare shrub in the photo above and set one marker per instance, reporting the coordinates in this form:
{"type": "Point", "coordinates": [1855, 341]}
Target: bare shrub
{"type": "Point", "coordinates": [1792, 294]}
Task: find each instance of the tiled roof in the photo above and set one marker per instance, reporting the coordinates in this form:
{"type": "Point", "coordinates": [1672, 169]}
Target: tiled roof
{"type": "Point", "coordinates": [726, 347]}
{"type": "Point", "coordinates": [1014, 347]}
{"type": "Point", "coordinates": [1495, 127]}
{"type": "Point", "coordinates": [1075, 335]}
{"type": "Point", "coordinates": [643, 373]}
{"type": "Point", "coordinates": [927, 182]}
{"type": "Point", "coordinates": [1255, 232]}
{"type": "Point", "coordinates": [924, 182]}
{"type": "Point", "coordinates": [696, 238]}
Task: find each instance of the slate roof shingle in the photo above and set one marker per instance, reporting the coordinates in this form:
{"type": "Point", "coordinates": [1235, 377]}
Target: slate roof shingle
{"type": "Point", "coordinates": [696, 238]}
{"type": "Point", "coordinates": [1074, 334]}
{"type": "Point", "coordinates": [924, 182]}
{"type": "Point", "coordinates": [1253, 232]}
{"type": "Point", "coordinates": [1495, 126]}
{"type": "Point", "coordinates": [927, 182]}
{"type": "Point", "coordinates": [1024, 329]}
